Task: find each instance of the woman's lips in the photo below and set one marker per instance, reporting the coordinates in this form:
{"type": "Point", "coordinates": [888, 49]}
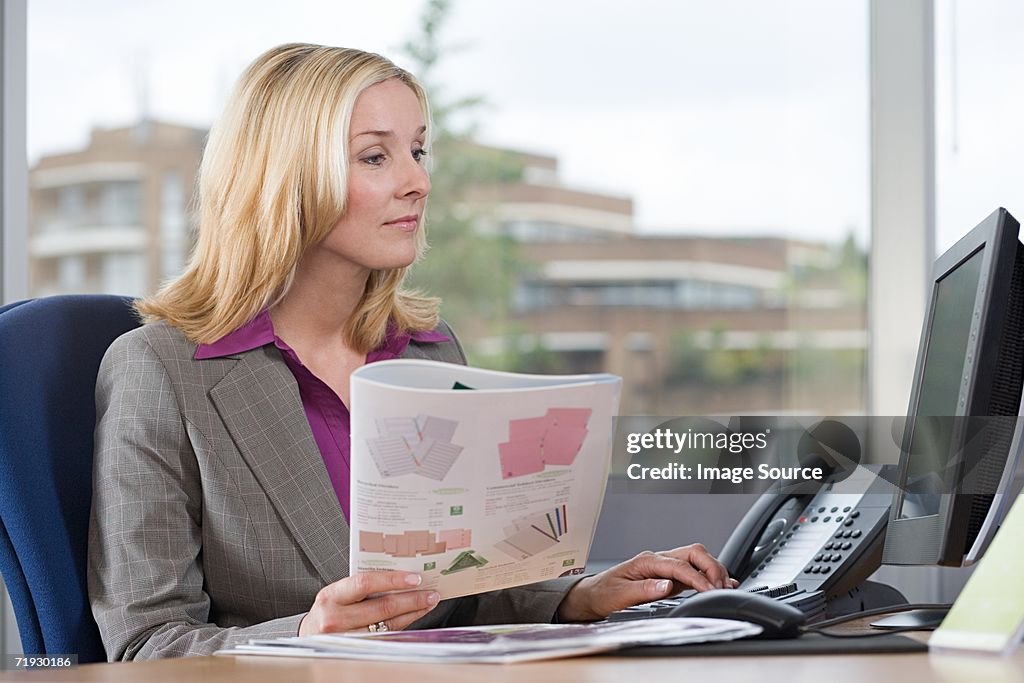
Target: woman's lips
{"type": "Point", "coordinates": [405, 223]}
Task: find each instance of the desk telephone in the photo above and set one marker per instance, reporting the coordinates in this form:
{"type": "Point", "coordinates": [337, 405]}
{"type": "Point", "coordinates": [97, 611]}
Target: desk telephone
{"type": "Point", "coordinates": [830, 541]}
{"type": "Point", "coordinates": [803, 549]}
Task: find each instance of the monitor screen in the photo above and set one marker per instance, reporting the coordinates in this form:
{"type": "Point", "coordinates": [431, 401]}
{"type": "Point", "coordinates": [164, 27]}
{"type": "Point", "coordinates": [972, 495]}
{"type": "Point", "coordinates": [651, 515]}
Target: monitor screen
{"type": "Point", "coordinates": [931, 441]}
{"type": "Point", "coordinates": [963, 437]}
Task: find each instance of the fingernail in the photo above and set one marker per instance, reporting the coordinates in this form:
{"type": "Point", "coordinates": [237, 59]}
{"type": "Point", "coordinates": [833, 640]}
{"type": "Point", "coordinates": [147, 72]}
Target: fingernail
{"type": "Point", "coordinates": [661, 586]}
{"type": "Point", "coordinates": [433, 599]}
{"type": "Point", "coordinates": [413, 579]}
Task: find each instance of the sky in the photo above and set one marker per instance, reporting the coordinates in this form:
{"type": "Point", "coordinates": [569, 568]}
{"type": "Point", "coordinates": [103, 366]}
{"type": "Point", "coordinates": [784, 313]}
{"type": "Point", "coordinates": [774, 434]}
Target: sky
{"type": "Point", "coordinates": [727, 117]}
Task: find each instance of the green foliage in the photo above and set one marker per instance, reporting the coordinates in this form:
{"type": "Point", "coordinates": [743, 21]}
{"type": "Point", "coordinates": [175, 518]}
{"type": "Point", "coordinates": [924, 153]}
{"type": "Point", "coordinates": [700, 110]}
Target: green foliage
{"type": "Point", "coordinates": [808, 364]}
{"type": "Point", "coordinates": [513, 357]}
{"type": "Point", "coordinates": [847, 270]}
{"type": "Point", "coordinates": [715, 365]}
{"type": "Point", "coordinates": [473, 272]}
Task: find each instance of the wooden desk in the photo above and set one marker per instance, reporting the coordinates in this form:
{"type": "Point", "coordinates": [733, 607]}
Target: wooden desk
{"type": "Point", "coordinates": [791, 669]}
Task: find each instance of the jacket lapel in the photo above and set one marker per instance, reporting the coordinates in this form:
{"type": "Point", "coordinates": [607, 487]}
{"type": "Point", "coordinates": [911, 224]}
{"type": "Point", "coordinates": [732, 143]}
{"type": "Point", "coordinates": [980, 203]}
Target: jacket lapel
{"type": "Point", "coordinates": [259, 402]}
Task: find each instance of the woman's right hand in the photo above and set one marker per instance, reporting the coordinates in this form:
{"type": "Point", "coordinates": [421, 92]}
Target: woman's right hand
{"type": "Point", "coordinates": [355, 602]}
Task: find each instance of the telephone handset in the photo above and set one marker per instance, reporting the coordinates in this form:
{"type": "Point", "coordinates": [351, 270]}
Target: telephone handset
{"type": "Point", "coordinates": [828, 541]}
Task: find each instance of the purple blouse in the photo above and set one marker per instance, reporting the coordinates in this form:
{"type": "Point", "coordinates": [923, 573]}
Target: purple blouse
{"type": "Point", "coordinates": [328, 416]}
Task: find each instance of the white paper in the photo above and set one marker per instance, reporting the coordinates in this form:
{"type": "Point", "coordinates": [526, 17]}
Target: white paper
{"type": "Point", "coordinates": [480, 489]}
{"type": "Point", "coordinates": [504, 644]}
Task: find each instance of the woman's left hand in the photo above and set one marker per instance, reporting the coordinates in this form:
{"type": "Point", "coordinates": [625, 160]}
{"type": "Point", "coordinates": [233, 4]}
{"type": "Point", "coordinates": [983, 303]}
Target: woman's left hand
{"type": "Point", "coordinates": [648, 576]}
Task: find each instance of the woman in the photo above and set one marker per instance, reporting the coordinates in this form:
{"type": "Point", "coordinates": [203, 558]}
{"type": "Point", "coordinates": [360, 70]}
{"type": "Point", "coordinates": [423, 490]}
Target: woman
{"type": "Point", "coordinates": [221, 467]}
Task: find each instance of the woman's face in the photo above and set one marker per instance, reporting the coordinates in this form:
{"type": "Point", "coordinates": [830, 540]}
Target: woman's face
{"type": "Point", "coordinates": [387, 184]}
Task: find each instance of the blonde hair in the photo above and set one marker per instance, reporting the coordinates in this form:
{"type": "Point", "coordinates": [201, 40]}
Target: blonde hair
{"type": "Point", "coordinates": [274, 182]}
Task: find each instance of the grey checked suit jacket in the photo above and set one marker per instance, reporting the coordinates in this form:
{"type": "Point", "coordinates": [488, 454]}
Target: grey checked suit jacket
{"type": "Point", "coordinates": [213, 518]}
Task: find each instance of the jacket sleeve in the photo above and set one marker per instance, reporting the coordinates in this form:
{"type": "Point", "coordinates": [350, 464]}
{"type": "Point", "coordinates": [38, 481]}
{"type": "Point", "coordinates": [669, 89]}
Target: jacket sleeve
{"type": "Point", "coordinates": [145, 571]}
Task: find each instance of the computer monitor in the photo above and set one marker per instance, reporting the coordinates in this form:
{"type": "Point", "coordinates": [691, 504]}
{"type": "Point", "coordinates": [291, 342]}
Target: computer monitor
{"type": "Point", "coordinates": [962, 438]}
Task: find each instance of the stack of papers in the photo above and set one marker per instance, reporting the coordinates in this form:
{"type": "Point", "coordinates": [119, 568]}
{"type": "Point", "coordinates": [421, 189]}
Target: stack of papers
{"type": "Point", "coordinates": [503, 644]}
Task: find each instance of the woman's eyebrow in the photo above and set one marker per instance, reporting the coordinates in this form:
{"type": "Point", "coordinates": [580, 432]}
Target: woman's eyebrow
{"type": "Point", "coordinates": [386, 133]}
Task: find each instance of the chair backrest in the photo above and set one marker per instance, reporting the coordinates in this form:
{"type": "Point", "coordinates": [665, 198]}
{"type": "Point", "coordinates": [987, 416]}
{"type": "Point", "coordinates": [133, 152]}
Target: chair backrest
{"type": "Point", "coordinates": [50, 351]}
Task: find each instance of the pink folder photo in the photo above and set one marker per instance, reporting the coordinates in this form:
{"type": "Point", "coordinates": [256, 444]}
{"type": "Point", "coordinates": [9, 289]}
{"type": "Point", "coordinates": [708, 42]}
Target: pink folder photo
{"type": "Point", "coordinates": [569, 417]}
{"type": "Point", "coordinates": [518, 458]}
{"type": "Point", "coordinates": [562, 444]}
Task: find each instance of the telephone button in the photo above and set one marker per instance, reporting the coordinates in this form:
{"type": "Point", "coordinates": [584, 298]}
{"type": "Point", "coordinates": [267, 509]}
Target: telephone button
{"type": "Point", "coordinates": [847, 534]}
{"type": "Point", "coordinates": [855, 514]}
{"type": "Point", "coordinates": [821, 509]}
{"type": "Point", "coordinates": [814, 519]}
{"type": "Point", "coordinates": [835, 509]}
{"type": "Point", "coordinates": [840, 518]}
{"type": "Point", "coordinates": [826, 569]}
{"type": "Point", "coordinates": [839, 534]}
{"type": "Point", "coordinates": [827, 519]}
{"type": "Point", "coordinates": [808, 569]}
{"type": "Point", "coordinates": [817, 558]}
{"type": "Point", "coordinates": [836, 557]}
{"type": "Point", "coordinates": [846, 509]}
{"type": "Point", "coordinates": [848, 522]}
{"type": "Point", "coordinates": [828, 546]}
{"type": "Point", "coordinates": [856, 533]}
{"type": "Point", "coordinates": [815, 569]}
{"type": "Point", "coordinates": [847, 545]}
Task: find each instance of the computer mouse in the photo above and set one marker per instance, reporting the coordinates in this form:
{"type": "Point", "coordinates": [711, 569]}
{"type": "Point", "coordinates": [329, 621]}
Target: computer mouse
{"type": "Point", "coordinates": [778, 619]}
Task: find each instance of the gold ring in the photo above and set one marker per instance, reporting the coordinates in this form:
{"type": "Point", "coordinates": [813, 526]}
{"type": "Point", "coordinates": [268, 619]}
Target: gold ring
{"type": "Point", "coordinates": [379, 627]}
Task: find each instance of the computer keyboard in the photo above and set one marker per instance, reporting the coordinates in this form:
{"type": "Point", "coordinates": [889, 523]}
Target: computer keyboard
{"type": "Point", "coordinates": [810, 603]}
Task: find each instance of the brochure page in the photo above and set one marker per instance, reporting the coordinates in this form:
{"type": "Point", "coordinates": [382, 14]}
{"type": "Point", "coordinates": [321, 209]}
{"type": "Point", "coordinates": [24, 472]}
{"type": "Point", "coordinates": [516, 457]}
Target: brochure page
{"type": "Point", "coordinates": [476, 479]}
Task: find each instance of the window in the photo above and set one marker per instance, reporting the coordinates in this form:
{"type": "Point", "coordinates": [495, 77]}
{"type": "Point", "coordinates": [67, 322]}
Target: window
{"type": "Point", "coordinates": [979, 141]}
{"type": "Point", "coordinates": [705, 179]}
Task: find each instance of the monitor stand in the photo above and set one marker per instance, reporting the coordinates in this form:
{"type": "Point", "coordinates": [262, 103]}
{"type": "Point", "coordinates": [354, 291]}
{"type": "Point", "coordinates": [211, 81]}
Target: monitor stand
{"type": "Point", "coordinates": [920, 619]}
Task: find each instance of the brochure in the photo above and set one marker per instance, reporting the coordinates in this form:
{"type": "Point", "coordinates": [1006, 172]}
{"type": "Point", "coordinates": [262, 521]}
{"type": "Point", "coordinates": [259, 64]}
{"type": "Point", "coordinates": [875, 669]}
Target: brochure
{"type": "Point", "coordinates": [476, 479]}
{"type": "Point", "coordinates": [503, 644]}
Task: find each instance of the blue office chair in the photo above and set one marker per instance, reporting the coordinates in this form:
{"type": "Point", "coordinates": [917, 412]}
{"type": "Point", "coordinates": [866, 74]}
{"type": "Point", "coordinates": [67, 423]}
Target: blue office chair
{"type": "Point", "coordinates": [50, 351]}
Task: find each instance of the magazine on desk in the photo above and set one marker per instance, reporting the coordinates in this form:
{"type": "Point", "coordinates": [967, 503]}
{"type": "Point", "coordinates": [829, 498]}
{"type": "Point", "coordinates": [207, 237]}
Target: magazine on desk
{"type": "Point", "coordinates": [502, 644]}
{"type": "Point", "coordinates": [475, 479]}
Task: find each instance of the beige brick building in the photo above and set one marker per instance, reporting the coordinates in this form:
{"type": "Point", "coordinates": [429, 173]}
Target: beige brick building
{"type": "Point", "coordinates": [693, 323]}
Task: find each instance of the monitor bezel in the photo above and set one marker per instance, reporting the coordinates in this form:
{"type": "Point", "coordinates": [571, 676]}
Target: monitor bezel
{"type": "Point", "coordinates": [941, 538]}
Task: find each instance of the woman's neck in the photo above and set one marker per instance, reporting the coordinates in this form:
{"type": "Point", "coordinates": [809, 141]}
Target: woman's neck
{"type": "Point", "coordinates": [320, 302]}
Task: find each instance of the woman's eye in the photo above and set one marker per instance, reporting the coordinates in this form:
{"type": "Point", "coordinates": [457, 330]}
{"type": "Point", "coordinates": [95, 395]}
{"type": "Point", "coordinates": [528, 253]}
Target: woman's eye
{"type": "Point", "coordinates": [418, 154]}
{"type": "Point", "coordinates": [374, 160]}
